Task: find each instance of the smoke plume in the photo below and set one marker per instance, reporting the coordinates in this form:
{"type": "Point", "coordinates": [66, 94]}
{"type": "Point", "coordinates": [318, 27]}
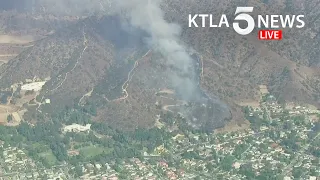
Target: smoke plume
{"type": "Point", "coordinates": [148, 16]}
{"type": "Point", "coordinates": [163, 37]}
{"type": "Point", "coordinates": [144, 14]}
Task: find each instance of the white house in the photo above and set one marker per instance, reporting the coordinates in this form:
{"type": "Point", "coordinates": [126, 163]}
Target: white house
{"type": "Point", "coordinates": [77, 128]}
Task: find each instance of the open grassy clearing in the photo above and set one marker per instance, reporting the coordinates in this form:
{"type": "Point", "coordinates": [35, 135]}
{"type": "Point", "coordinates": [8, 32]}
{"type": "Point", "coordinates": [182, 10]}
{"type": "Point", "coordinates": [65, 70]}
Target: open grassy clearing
{"type": "Point", "coordinates": [49, 158]}
{"type": "Point", "coordinates": [91, 151]}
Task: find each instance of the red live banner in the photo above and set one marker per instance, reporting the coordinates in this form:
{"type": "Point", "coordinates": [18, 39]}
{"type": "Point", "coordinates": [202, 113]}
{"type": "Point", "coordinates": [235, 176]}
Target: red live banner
{"type": "Point", "coordinates": [270, 34]}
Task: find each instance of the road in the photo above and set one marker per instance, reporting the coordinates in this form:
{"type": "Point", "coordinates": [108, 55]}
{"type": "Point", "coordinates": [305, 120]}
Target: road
{"type": "Point", "coordinates": [126, 83]}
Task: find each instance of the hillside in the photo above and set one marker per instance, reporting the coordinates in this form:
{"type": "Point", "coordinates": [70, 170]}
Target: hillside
{"type": "Point", "coordinates": [234, 66]}
{"type": "Point", "coordinates": [104, 68]}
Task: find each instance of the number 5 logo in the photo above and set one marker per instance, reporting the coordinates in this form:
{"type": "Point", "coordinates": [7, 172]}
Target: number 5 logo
{"type": "Point", "coordinates": [242, 16]}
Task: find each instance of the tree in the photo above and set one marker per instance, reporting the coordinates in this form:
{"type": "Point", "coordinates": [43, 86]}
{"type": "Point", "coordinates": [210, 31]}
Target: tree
{"type": "Point", "coordinates": [297, 172]}
{"type": "Point", "coordinates": [267, 174]}
{"type": "Point", "coordinates": [45, 162]}
{"type": "Point", "coordinates": [226, 163]}
{"type": "Point", "coordinates": [117, 168]}
{"type": "Point", "coordinates": [58, 149]}
{"type": "Point", "coordinates": [78, 170]}
{"type": "Point", "coordinates": [239, 150]}
{"type": "Point", "coordinates": [209, 166]}
{"type": "Point", "coordinates": [9, 118]}
{"type": "Point", "coordinates": [288, 125]}
{"type": "Point", "coordinates": [246, 170]}
{"type": "Point", "coordinates": [246, 110]}
{"type": "Point", "coordinates": [190, 155]}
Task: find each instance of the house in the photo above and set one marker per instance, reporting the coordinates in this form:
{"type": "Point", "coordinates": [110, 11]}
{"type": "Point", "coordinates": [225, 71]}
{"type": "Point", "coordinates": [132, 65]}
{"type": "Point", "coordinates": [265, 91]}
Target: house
{"type": "Point", "coordinates": [163, 164]}
{"type": "Point", "coordinates": [76, 128]}
{"type": "Point", "coordinates": [287, 178]}
{"type": "Point", "coordinates": [313, 178]}
{"type": "Point", "coordinates": [35, 86]}
{"type": "Point", "coordinates": [73, 152]}
{"type": "Point", "coordinates": [236, 165]}
{"type": "Point", "coordinates": [47, 101]}
{"type": "Point", "coordinates": [113, 177]}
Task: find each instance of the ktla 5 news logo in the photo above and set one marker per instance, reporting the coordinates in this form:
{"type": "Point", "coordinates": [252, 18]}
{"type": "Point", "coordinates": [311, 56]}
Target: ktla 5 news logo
{"type": "Point", "coordinates": [270, 23]}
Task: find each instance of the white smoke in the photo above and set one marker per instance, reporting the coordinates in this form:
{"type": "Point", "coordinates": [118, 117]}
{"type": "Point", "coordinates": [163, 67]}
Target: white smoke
{"type": "Point", "coordinates": [148, 16]}
{"type": "Point", "coordinates": [164, 38]}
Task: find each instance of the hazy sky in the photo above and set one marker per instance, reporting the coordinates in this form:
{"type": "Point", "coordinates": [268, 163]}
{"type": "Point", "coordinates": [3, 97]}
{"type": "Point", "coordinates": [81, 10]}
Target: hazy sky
{"type": "Point", "coordinates": [14, 4]}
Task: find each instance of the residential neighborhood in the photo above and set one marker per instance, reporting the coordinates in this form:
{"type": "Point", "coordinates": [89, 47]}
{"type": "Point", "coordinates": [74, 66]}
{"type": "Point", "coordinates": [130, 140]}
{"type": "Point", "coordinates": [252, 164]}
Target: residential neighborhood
{"type": "Point", "coordinates": [282, 143]}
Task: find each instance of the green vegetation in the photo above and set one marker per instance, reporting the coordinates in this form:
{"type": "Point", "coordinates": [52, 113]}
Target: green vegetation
{"type": "Point", "coordinates": [280, 142]}
{"type": "Point", "coordinates": [9, 118]}
{"type": "Point", "coordinates": [47, 143]}
{"type": "Point", "coordinates": [48, 159]}
{"type": "Point", "coordinates": [90, 152]}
